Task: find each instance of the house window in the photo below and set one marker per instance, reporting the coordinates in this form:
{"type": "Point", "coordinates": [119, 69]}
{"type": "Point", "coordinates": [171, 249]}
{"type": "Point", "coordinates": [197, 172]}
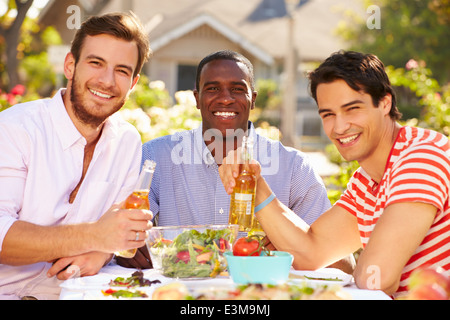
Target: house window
{"type": "Point", "coordinates": [186, 77]}
{"type": "Point", "coordinates": [309, 123]}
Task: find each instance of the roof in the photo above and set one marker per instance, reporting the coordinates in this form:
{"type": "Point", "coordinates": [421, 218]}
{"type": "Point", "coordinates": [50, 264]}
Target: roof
{"type": "Point", "coordinates": [259, 25]}
{"type": "Point", "coordinates": [217, 25]}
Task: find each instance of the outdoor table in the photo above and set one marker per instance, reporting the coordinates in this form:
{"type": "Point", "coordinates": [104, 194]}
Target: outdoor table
{"type": "Point", "coordinates": [90, 288]}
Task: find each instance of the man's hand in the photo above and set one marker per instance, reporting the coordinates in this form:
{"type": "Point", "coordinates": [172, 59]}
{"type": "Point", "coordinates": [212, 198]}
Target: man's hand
{"type": "Point", "coordinates": [118, 229]}
{"type": "Point", "coordinates": [87, 264]}
{"type": "Point", "coordinates": [140, 261]}
{"type": "Point", "coordinates": [230, 169]}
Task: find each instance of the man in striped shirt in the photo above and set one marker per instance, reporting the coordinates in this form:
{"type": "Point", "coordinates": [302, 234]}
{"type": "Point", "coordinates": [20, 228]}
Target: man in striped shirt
{"type": "Point", "coordinates": [186, 187]}
{"type": "Point", "coordinates": [396, 205]}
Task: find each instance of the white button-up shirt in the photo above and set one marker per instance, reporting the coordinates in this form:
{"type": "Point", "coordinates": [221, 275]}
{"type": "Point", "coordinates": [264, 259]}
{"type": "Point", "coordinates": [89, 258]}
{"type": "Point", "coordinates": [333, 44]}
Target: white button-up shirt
{"type": "Point", "coordinates": [41, 162]}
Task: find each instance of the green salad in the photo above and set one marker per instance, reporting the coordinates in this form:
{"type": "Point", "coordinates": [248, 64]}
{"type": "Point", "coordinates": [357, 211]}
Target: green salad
{"type": "Point", "coordinates": [192, 253]}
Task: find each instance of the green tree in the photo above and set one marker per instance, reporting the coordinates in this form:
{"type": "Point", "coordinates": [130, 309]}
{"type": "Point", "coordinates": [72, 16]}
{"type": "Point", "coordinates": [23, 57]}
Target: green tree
{"type": "Point", "coordinates": [23, 50]}
{"type": "Point", "coordinates": [432, 99]}
{"type": "Point", "coordinates": [411, 32]}
{"type": "Point", "coordinates": [268, 103]}
{"type": "Point", "coordinates": [10, 29]}
{"type": "Point", "coordinates": [417, 29]}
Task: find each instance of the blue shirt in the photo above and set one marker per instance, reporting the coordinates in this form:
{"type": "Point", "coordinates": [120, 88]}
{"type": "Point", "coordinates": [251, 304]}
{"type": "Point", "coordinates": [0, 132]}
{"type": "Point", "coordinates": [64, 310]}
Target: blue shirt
{"type": "Point", "coordinates": [187, 189]}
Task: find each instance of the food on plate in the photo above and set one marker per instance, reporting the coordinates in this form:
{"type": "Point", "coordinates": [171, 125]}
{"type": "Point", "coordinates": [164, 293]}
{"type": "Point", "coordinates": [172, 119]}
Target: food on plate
{"type": "Point", "coordinates": [179, 291]}
{"type": "Point", "coordinates": [124, 293]}
{"type": "Point", "coordinates": [192, 254]}
{"type": "Point", "coordinates": [290, 292]}
{"type": "Point", "coordinates": [305, 277]}
{"type": "Point", "coordinates": [172, 291]}
{"type": "Point", "coordinates": [322, 279]}
{"type": "Point", "coordinates": [136, 280]}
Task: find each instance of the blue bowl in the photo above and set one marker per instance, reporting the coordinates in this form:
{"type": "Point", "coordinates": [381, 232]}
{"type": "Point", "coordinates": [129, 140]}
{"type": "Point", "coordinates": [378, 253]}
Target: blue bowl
{"type": "Point", "coordinates": [262, 269]}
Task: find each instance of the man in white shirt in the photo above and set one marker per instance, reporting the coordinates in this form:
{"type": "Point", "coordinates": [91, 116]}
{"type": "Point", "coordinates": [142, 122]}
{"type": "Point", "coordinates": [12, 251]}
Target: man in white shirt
{"type": "Point", "coordinates": [66, 163]}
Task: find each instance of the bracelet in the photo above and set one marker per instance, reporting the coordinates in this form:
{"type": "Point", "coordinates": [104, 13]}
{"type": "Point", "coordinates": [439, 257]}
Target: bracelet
{"type": "Point", "coordinates": [263, 204]}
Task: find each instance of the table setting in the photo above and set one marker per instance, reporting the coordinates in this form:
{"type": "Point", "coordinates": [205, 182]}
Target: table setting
{"type": "Point", "coordinates": [92, 288]}
{"type": "Point", "coordinates": [200, 263]}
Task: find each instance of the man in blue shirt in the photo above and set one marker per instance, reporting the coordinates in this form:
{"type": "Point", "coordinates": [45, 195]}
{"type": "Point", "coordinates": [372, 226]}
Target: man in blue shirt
{"type": "Point", "coordinates": [186, 187]}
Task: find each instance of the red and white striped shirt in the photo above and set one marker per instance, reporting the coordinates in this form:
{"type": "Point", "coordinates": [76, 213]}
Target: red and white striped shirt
{"type": "Point", "coordinates": [418, 170]}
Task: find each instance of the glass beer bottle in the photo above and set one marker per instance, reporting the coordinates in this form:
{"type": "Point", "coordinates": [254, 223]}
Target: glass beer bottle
{"type": "Point", "coordinates": [139, 198]}
{"type": "Point", "coordinates": [256, 228]}
{"type": "Point", "coordinates": [242, 205]}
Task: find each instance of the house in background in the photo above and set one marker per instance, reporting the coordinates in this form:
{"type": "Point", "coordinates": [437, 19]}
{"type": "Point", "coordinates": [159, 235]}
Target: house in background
{"type": "Point", "coordinates": [182, 32]}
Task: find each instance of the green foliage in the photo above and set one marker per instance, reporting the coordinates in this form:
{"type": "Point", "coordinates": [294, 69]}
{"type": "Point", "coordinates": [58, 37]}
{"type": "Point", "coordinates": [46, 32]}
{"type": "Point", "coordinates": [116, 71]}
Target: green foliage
{"type": "Point", "coordinates": [17, 95]}
{"type": "Point", "coordinates": [37, 73]}
{"type": "Point", "coordinates": [337, 184]}
{"type": "Point", "coordinates": [268, 94]}
{"type": "Point", "coordinates": [184, 115]}
{"type": "Point", "coordinates": [267, 103]}
{"type": "Point", "coordinates": [417, 29]}
{"type": "Point", "coordinates": [50, 36]}
{"type": "Point", "coordinates": [148, 94]}
{"type": "Point", "coordinates": [40, 76]}
{"type": "Point", "coordinates": [433, 100]}
{"type": "Point", "coordinates": [151, 111]}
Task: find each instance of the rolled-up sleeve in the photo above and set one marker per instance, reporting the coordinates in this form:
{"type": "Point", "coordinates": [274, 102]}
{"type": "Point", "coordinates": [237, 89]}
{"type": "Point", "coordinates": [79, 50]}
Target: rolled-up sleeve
{"type": "Point", "coordinates": [13, 172]}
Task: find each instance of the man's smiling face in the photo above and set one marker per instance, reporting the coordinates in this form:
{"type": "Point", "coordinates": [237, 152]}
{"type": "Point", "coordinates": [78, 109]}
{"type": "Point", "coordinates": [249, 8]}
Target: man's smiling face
{"type": "Point", "coordinates": [102, 80]}
{"type": "Point", "coordinates": [351, 121]}
{"type": "Point", "coordinates": [225, 96]}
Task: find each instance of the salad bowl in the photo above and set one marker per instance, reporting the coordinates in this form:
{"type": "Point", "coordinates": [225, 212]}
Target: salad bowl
{"type": "Point", "coordinates": [191, 252]}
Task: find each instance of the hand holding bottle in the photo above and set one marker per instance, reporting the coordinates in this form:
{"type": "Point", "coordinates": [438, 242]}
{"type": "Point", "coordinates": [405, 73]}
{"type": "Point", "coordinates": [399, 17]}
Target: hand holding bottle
{"type": "Point", "coordinates": [231, 168]}
{"type": "Point", "coordinates": [118, 229]}
{"type": "Point", "coordinates": [138, 199]}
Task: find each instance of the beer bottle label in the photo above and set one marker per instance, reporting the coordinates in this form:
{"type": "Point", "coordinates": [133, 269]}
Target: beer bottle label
{"type": "Point", "coordinates": [244, 201]}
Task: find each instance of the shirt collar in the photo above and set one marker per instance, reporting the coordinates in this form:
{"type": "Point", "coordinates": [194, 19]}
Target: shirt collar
{"type": "Point", "coordinates": [202, 151]}
{"type": "Point", "coordinates": [65, 129]}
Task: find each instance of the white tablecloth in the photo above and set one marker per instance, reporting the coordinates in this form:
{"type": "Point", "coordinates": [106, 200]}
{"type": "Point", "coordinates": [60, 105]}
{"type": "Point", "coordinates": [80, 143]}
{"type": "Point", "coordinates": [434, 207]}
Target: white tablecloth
{"type": "Point", "coordinates": [89, 288]}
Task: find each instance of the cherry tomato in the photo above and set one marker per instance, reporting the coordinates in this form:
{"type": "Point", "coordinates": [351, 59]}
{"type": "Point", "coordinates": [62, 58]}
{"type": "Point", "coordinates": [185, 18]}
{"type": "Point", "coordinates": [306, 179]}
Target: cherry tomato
{"type": "Point", "coordinates": [248, 246]}
{"type": "Point", "coordinates": [222, 244]}
{"type": "Point", "coordinates": [184, 256]}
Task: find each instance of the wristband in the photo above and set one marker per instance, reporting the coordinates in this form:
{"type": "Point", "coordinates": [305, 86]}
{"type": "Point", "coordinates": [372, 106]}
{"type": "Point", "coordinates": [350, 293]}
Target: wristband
{"type": "Point", "coordinates": [263, 204]}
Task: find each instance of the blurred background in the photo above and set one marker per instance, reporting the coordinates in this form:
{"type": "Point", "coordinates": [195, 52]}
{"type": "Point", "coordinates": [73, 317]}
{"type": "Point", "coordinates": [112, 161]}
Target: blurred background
{"type": "Point", "coordinates": [284, 39]}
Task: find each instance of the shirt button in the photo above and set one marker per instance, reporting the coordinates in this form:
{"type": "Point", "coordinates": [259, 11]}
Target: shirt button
{"type": "Point", "coordinates": [209, 159]}
{"type": "Point", "coordinates": [221, 211]}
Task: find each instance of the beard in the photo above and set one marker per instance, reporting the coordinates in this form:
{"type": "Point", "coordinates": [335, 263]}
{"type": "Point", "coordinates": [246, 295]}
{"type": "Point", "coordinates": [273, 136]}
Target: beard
{"type": "Point", "coordinates": [83, 113]}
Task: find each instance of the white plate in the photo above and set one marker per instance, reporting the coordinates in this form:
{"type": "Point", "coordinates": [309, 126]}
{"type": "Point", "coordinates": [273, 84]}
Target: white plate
{"type": "Point", "coordinates": [98, 294]}
{"type": "Point", "coordinates": [100, 281]}
{"type": "Point", "coordinates": [321, 277]}
{"type": "Point", "coordinates": [91, 287]}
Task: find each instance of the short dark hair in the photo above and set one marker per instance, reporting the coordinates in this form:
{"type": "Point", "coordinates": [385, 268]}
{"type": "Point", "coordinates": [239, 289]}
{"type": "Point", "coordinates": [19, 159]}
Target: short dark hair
{"type": "Point", "coordinates": [225, 55]}
{"type": "Point", "coordinates": [362, 72]}
{"type": "Point", "coordinates": [124, 26]}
